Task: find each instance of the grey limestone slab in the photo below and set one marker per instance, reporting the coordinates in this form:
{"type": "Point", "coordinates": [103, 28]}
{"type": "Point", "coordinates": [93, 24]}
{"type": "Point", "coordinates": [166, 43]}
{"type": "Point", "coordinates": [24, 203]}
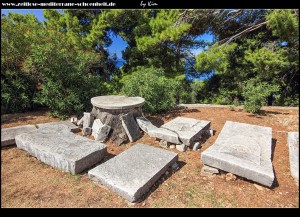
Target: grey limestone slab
{"type": "Point", "coordinates": [244, 150]}
{"type": "Point", "coordinates": [187, 130]}
{"type": "Point", "coordinates": [8, 134]}
{"type": "Point", "coordinates": [134, 171]}
{"type": "Point", "coordinates": [88, 119]}
{"type": "Point", "coordinates": [66, 151]}
{"type": "Point", "coordinates": [100, 130]}
{"type": "Point", "coordinates": [145, 124]}
{"type": "Point", "coordinates": [165, 134]}
{"type": "Point", "coordinates": [117, 102]}
{"type": "Point", "coordinates": [293, 143]}
{"type": "Point", "coordinates": [58, 127]}
{"type": "Point", "coordinates": [130, 126]}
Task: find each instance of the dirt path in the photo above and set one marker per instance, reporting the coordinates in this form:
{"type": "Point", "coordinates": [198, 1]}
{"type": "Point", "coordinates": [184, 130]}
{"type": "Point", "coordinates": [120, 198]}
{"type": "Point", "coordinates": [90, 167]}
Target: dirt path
{"type": "Point", "coordinates": [26, 182]}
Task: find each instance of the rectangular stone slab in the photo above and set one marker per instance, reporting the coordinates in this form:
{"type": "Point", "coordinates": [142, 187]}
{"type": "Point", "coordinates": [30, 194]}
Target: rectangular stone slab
{"type": "Point", "coordinates": [165, 134]}
{"type": "Point", "coordinates": [59, 127]}
{"type": "Point", "coordinates": [145, 124]}
{"type": "Point", "coordinates": [186, 129]}
{"type": "Point", "coordinates": [131, 127]}
{"type": "Point", "coordinates": [67, 151]}
{"type": "Point", "coordinates": [8, 134]}
{"type": "Point", "coordinates": [293, 143]}
{"type": "Point", "coordinates": [244, 150]}
{"type": "Point", "coordinates": [134, 171]}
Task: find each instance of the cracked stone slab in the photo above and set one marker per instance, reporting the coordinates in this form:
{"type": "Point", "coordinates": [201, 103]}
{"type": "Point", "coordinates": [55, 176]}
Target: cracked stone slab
{"type": "Point", "coordinates": [181, 130]}
{"type": "Point", "coordinates": [67, 151]}
{"type": "Point", "coordinates": [244, 150]}
{"type": "Point", "coordinates": [58, 127]}
{"type": "Point", "coordinates": [132, 173]}
{"type": "Point", "coordinates": [131, 127]}
{"type": "Point", "coordinates": [145, 124]}
{"type": "Point", "coordinates": [88, 119]}
{"type": "Point", "coordinates": [8, 134]}
{"type": "Point", "coordinates": [293, 143]}
{"type": "Point", "coordinates": [100, 131]}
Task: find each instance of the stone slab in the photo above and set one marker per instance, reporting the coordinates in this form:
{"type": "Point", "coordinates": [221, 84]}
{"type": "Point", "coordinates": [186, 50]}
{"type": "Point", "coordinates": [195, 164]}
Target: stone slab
{"type": "Point", "coordinates": [117, 102]}
{"type": "Point", "coordinates": [187, 130]}
{"type": "Point", "coordinates": [66, 151]}
{"type": "Point", "coordinates": [244, 150]}
{"type": "Point", "coordinates": [145, 124]}
{"type": "Point", "coordinates": [293, 143]}
{"type": "Point", "coordinates": [100, 130]}
{"type": "Point", "coordinates": [58, 127]}
{"type": "Point", "coordinates": [8, 134]}
{"type": "Point", "coordinates": [88, 119]}
{"type": "Point", "coordinates": [134, 171]}
{"type": "Point", "coordinates": [165, 134]}
{"type": "Point", "coordinates": [209, 169]}
{"type": "Point", "coordinates": [130, 126]}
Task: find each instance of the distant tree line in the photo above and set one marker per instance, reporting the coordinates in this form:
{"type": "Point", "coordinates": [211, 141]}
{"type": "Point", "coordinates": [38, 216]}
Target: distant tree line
{"type": "Point", "coordinates": [62, 62]}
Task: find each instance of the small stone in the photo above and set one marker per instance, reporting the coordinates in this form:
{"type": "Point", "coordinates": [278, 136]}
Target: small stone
{"type": "Point", "coordinates": [74, 120]}
{"type": "Point", "coordinates": [167, 173]}
{"type": "Point", "coordinates": [258, 187]}
{"type": "Point", "coordinates": [87, 131]}
{"type": "Point", "coordinates": [209, 169]}
{"type": "Point", "coordinates": [80, 122]}
{"type": "Point", "coordinates": [143, 204]}
{"type": "Point", "coordinates": [172, 146]}
{"type": "Point", "coordinates": [181, 148]}
{"type": "Point", "coordinates": [163, 143]}
{"type": "Point", "coordinates": [196, 146]}
{"type": "Point", "coordinates": [230, 177]}
{"type": "Point", "coordinates": [175, 166]}
{"type": "Point", "coordinates": [210, 132]}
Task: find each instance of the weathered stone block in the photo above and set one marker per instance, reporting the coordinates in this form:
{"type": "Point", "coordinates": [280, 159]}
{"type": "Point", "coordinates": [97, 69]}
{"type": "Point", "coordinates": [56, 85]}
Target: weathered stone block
{"type": "Point", "coordinates": [80, 122]}
{"type": "Point", "coordinates": [88, 119]}
{"type": "Point", "coordinates": [145, 124]}
{"type": "Point", "coordinates": [293, 143]}
{"type": "Point", "coordinates": [130, 126]}
{"type": "Point", "coordinates": [181, 147]}
{"type": "Point", "coordinates": [165, 134]}
{"type": "Point", "coordinates": [100, 130]}
{"type": "Point", "coordinates": [8, 134]}
{"type": "Point", "coordinates": [134, 171]}
{"type": "Point", "coordinates": [181, 130]}
{"type": "Point", "coordinates": [58, 127]}
{"type": "Point", "coordinates": [244, 150]}
{"type": "Point", "coordinates": [68, 152]}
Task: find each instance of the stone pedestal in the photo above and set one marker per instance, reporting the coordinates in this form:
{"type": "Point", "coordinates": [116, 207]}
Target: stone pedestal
{"type": "Point", "coordinates": [112, 109]}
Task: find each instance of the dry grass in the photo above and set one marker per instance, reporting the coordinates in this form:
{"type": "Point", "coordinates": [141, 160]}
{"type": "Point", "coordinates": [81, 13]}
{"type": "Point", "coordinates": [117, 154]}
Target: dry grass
{"type": "Point", "coordinates": [27, 182]}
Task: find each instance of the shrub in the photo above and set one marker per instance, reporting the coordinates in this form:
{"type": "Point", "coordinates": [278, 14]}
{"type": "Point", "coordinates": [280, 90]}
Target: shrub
{"type": "Point", "coordinates": [151, 84]}
{"type": "Point", "coordinates": [68, 83]}
{"type": "Point", "coordinates": [255, 94]}
{"type": "Point", "coordinates": [17, 87]}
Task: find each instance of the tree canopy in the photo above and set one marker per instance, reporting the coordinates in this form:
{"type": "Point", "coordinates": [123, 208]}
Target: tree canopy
{"type": "Point", "coordinates": [254, 58]}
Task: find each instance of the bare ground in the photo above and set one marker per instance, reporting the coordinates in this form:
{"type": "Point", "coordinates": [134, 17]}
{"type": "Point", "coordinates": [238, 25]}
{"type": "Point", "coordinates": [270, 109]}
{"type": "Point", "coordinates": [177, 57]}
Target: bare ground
{"type": "Point", "coordinates": [27, 182]}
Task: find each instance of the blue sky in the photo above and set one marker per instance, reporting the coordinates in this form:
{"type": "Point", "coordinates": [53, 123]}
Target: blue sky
{"type": "Point", "coordinates": [118, 44]}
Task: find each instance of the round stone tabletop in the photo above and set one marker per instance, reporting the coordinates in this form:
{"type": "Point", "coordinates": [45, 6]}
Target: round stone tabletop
{"type": "Point", "coordinates": [117, 102]}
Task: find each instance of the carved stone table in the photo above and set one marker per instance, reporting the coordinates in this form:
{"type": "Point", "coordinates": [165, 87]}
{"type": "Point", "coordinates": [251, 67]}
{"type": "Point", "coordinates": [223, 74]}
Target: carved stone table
{"type": "Point", "coordinates": [119, 112]}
